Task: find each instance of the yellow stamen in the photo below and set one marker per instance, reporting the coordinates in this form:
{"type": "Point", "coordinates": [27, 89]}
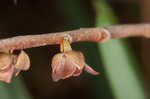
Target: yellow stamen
{"type": "Point", "coordinates": [65, 45]}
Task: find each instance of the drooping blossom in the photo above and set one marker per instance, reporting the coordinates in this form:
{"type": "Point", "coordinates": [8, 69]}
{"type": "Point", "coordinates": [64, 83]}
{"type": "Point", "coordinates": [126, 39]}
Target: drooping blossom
{"type": "Point", "coordinates": [11, 64]}
{"type": "Point", "coordinates": [22, 63]}
{"type": "Point", "coordinates": [69, 63]}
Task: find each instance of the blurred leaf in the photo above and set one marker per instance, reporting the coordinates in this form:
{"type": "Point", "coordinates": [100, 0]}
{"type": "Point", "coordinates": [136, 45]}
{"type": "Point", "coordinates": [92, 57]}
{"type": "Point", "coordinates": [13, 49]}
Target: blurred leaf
{"type": "Point", "coordinates": [119, 62]}
{"type": "Point", "coordinates": [14, 90]}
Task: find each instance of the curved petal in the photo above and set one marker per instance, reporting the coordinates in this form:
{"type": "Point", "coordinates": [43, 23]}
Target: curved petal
{"type": "Point", "coordinates": [23, 61]}
{"type": "Point", "coordinates": [5, 60]}
{"type": "Point", "coordinates": [90, 70]}
{"type": "Point", "coordinates": [55, 77]}
{"type": "Point", "coordinates": [7, 75]}
{"type": "Point", "coordinates": [77, 72]}
{"type": "Point", "coordinates": [64, 69]}
{"type": "Point", "coordinates": [56, 60]}
{"type": "Point", "coordinates": [76, 58]}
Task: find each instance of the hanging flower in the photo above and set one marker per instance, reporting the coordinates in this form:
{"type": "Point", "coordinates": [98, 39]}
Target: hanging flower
{"type": "Point", "coordinates": [69, 63]}
{"type": "Point", "coordinates": [22, 63]}
{"type": "Point", "coordinates": [12, 64]}
{"type": "Point", "coordinates": [6, 70]}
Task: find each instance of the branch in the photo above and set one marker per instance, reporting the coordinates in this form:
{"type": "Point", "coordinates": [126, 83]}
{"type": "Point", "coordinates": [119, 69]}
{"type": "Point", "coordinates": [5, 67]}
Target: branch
{"type": "Point", "coordinates": [97, 34]}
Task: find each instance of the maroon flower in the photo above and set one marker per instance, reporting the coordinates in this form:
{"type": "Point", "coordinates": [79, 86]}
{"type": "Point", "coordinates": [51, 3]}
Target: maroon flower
{"type": "Point", "coordinates": [70, 63]}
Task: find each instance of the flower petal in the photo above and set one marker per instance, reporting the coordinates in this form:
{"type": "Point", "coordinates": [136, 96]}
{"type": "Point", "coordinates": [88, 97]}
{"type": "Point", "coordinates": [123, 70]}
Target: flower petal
{"type": "Point", "coordinates": [23, 61]}
{"type": "Point", "coordinates": [65, 68]}
{"type": "Point", "coordinates": [55, 77]}
{"type": "Point", "coordinates": [6, 75]}
{"type": "Point", "coordinates": [90, 70]}
{"type": "Point", "coordinates": [5, 60]}
{"type": "Point", "coordinates": [77, 72]}
{"type": "Point", "coordinates": [62, 67]}
{"type": "Point", "coordinates": [76, 58]}
{"type": "Point", "coordinates": [56, 60]}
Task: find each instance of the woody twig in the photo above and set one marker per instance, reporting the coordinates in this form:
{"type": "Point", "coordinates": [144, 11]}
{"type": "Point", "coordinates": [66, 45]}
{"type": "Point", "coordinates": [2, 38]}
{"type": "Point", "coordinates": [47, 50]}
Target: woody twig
{"type": "Point", "coordinates": [97, 34]}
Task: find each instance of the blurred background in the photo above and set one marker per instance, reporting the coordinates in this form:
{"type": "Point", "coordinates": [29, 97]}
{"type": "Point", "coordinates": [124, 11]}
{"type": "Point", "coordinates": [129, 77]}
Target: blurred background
{"type": "Point", "coordinates": [123, 63]}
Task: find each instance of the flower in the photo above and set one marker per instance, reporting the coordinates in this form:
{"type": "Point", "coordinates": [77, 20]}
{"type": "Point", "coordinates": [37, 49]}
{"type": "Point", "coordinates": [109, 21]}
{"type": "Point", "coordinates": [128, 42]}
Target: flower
{"type": "Point", "coordinates": [12, 64]}
{"type": "Point", "coordinates": [70, 63]}
{"type": "Point", "coordinates": [6, 70]}
{"type": "Point", "coordinates": [22, 63]}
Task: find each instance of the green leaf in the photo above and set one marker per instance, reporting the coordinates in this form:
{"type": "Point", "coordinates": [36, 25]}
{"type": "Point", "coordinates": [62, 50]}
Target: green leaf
{"type": "Point", "coordinates": [119, 61]}
{"type": "Point", "coordinates": [15, 90]}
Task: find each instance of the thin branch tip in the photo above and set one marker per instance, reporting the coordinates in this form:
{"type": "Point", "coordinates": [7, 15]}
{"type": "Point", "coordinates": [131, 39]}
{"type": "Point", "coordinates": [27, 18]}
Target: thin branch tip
{"type": "Point", "coordinates": [97, 34]}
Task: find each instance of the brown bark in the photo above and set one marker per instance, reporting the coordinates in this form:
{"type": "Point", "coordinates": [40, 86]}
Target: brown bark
{"type": "Point", "coordinates": [97, 34]}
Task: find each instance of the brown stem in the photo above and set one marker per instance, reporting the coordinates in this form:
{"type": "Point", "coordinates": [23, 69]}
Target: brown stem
{"type": "Point", "coordinates": [97, 34]}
